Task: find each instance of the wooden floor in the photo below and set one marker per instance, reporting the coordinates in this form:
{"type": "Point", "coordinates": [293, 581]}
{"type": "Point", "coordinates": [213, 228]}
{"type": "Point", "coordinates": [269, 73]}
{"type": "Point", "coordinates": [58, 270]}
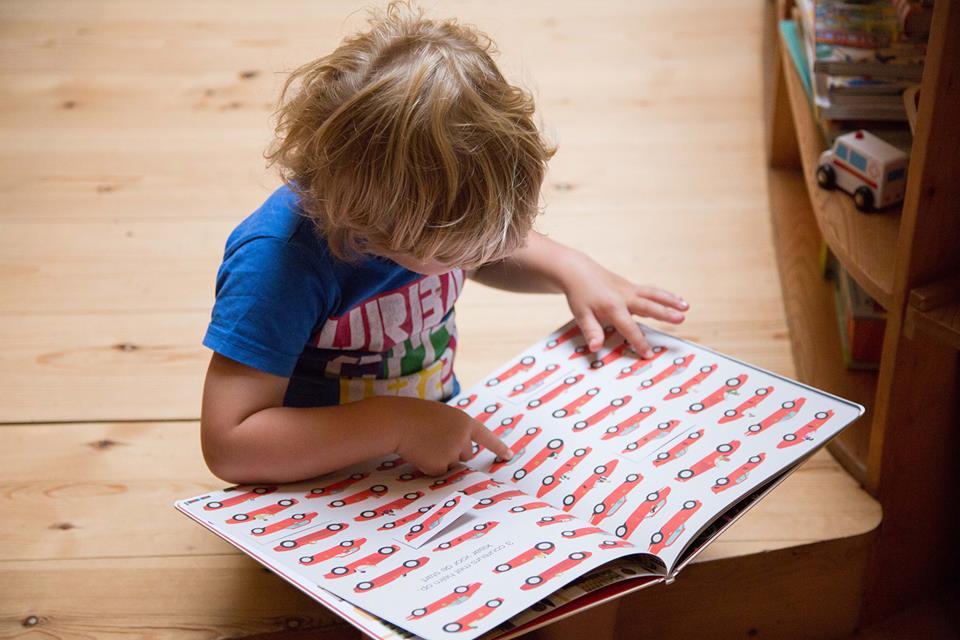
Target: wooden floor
{"type": "Point", "coordinates": [132, 140]}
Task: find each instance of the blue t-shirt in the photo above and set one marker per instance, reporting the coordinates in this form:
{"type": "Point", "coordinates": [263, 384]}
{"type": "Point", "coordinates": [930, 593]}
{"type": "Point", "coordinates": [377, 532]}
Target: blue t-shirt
{"type": "Point", "coordinates": [340, 331]}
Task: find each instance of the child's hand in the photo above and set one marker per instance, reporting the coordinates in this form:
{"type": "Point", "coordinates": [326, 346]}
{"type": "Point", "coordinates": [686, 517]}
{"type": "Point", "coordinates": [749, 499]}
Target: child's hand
{"type": "Point", "coordinates": [433, 436]}
{"type": "Point", "coordinates": [598, 296]}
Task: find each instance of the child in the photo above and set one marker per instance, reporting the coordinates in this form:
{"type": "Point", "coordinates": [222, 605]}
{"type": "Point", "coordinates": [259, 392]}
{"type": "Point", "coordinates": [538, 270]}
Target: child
{"type": "Point", "coordinates": [409, 164]}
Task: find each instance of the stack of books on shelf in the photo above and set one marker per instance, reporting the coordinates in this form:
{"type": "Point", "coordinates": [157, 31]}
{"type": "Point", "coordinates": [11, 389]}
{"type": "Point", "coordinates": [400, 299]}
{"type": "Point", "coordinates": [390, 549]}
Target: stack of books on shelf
{"type": "Point", "coordinates": [859, 58]}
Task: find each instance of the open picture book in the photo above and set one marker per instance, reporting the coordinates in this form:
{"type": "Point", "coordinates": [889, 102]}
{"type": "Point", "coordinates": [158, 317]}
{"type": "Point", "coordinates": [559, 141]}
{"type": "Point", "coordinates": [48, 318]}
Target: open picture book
{"type": "Point", "coordinates": [623, 470]}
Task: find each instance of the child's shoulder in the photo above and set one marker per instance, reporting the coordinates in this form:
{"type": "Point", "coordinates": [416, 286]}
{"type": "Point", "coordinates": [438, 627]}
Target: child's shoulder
{"type": "Point", "coordinates": [279, 222]}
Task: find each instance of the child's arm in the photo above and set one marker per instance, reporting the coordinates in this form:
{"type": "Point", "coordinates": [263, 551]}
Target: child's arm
{"type": "Point", "coordinates": [595, 294]}
{"type": "Point", "coordinates": [249, 438]}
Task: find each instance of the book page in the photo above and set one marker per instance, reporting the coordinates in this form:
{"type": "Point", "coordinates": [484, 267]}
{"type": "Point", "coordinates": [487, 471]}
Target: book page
{"type": "Point", "coordinates": [650, 450]}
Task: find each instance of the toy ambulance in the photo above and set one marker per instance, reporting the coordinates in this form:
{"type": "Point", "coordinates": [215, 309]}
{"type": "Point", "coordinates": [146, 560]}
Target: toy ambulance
{"type": "Point", "coordinates": [873, 171]}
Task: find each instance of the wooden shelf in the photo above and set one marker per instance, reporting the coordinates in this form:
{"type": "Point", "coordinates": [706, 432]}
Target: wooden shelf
{"type": "Point", "coordinates": [934, 311]}
{"type": "Point", "coordinates": [811, 317]}
{"type": "Point", "coordinates": [863, 243]}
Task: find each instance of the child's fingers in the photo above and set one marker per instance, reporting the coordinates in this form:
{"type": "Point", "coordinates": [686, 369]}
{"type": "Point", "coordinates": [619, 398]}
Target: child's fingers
{"type": "Point", "coordinates": [591, 329]}
{"type": "Point", "coordinates": [629, 329]}
{"type": "Point", "coordinates": [467, 452]}
{"type": "Point", "coordinates": [486, 438]}
{"type": "Point", "coordinates": [651, 309]}
{"type": "Point", "coordinates": [663, 297]}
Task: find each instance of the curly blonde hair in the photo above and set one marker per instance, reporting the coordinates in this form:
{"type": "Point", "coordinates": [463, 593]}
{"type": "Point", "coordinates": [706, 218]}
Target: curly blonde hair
{"type": "Point", "coordinates": [408, 139]}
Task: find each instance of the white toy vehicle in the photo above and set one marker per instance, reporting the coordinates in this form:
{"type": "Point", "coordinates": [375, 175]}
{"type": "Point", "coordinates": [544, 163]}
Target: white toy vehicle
{"type": "Point", "coordinates": [873, 171]}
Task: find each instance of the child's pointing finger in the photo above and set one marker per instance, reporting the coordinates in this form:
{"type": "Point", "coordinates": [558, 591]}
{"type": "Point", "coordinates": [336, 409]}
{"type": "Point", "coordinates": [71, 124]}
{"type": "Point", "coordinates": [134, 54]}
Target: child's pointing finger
{"type": "Point", "coordinates": [486, 438]}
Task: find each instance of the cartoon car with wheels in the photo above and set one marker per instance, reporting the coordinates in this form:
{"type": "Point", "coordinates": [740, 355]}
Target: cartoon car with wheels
{"type": "Point", "coordinates": [700, 376]}
{"type": "Point", "coordinates": [336, 487]}
{"type": "Point", "coordinates": [678, 449]}
{"type": "Point", "coordinates": [574, 405]}
{"type": "Point", "coordinates": [739, 474]}
{"type": "Point", "coordinates": [393, 463]}
{"type": "Point", "coordinates": [870, 169]}
{"type": "Point", "coordinates": [530, 506]}
{"type": "Point", "coordinates": [553, 343]}
{"type": "Point", "coordinates": [410, 517]}
{"type": "Point", "coordinates": [478, 531]}
{"type": "Point", "coordinates": [539, 550]}
{"type": "Point", "coordinates": [507, 425]}
{"type": "Point", "coordinates": [453, 478]}
{"type": "Point", "coordinates": [564, 385]}
{"type": "Point", "coordinates": [519, 448]}
{"type": "Point", "coordinates": [465, 402]}
{"type": "Point", "coordinates": [262, 513]}
{"type": "Point", "coordinates": [408, 566]}
{"type": "Point", "coordinates": [374, 491]}
{"type": "Point", "coordinates": [617, 498]}
{"type": "Point", "coordinates": [466, 622]}
{"type": "Point", "coordinates": [341, 550]}
{"type": "Point", "coordinates": [330, 530]}
{"type": "Point", "coordinates": [483, 485]}
{"type": "Point", "coordinates": [523, 365]}
{"type": "Point", "coordinates": [735, 414]}
{"type": "Point", "coordinates": [458, 595]}
{"type": "Point", "coordinates": [484, 503]}
{"type": "Point", "coordinates": [582, 531]}
{"type": "Point", "coordinates": [721, 453]}
{"type": "Point", "coordinates": [678, 365]}
{"type": "Point", "coordinates": [546, 521]}
{"type": "Point", "coordinates": [669, 532]}
{"type": "Point", "coordinates": [641, 365]}
{"type": "Point", "coordinates": [611, 356]}
{"type": "Point", "coordinates": [661, 431]}
{"type": "Point", "coordinates": [651, 506]}
{"type": "Point", "coordinates": [611, 408]}
{"type": "Point", "coordinates": [629, 425]}
{"type": "Point", "coordinates": [488, 411]}
{"type": "Point", "coordinates": [806, 431]}
{"type": "Point", "coordinates": [532, 383]}
{"type": "Point", "coordinates": [364, 563]}
{"type": "Point", "coordinates": [729, 388]}
{"type": "Point", "coordinates": [552, 481]}
{"type": "Point", "coordinates": [613, 544]}
{"type": "Point", "coordinates": [389, 508]}
{"type": "Point", "coordinates": [600, 474]}
{"type": "Point", "coordinates": [238, 499]}
{"type": "Point", "coordinates": [551, 450]}
{"type": "Point", "coordinates": [786, 411]}
{"type": "Point", "coordinates": [564, 565]}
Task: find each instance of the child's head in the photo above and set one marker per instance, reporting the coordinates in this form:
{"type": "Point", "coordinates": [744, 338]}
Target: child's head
{"type": "Point", "coordinates": [407, 141]}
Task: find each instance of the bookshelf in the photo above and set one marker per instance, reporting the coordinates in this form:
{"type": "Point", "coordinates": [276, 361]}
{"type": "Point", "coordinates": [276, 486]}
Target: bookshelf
{"type": "Point", "coordinates": [905, 449]}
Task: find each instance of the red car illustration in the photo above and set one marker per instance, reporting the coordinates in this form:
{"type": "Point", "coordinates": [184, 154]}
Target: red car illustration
{"type": "Point", "coordinates": [364, 563]}
{"type": "Point", "coordinates": [546, 521]}
{"type": "Point", "coordinates": [408, 566]}
{"type": "Point", "coordinates": [721, 453]}
{"type": "Point", "coordinates": [629, 425]}
{"type": "Point", "coordinates": [564, 565]}
{"type": "Point", "coordinates": [262, 513]}
{"type": "Point", "coordinates": [539, 550]}
{"type": "Point", "coordinates": [389, 508]}
{"type": "Point", "coordinates": [550, 482]}
{"type": "Point", "coordinates": [675, 367]}
{"type": "Point", "coordinates": [669, 532]}
{"type": "Point", "coordinates": [507, 425]}
{"type": "Point", "coordinates": [466, 401]}
{"type": "Point", "coordinates": [295, 521]}
{"type": "Point", "coordinates": [582, 531]}
{"type": "Point", "coordinates": [458, 595]}
{"type": "Point", "coordinates": [238, 499]}
{"type": "Point", "coordinates": [678, 449]}
{"type": "Point", "coordinates": [341, 550]}
{"type": "Point", "coordinates": [651, 506]}
{"type": "Point", "coordinates": [410, 517]}
{"type": "Point", "coordinates": [374, 491]}
{"type": "Point", "coordinates": [391, 464]}
{"type": "Point", "coordinates": [519, 448]}
{"type": "Point", "coordinates": [729, 388]}
{"type": "Point", "coordinates": [478, 531]}
{"type": "Point", "coordinates": [574, 405]}
{"type": "Point", "coordinates": [564, 385]}
{"type": "Point", "coordinates": [532, 383]}
{"type": "Point", "coordinates": [410, 475]}
{"type": "Point", "coordinates": [739, 474]}
{"type": "Point", "coordinates": [466, 622]}
{"type": "Point", "coordinates": [483, 503]}
{"type": "Point", "coordinates": [613, 544]}
{"type": "Point", "coordinates": [330, 530]}
{"type": "Point", "coordinates": [807, 430]}
{"type": "Point", "coordinates": [566, 335]}
{"type": "Point", "coordinates": [661, 431]}
{"type": "Point", "coordinates": [735, 414]}
{"type": "Point", "coordinates": [453, 478]}
{"type": "Point", "coordinates": [522, 365]}
{"type": "Point", "coordinates": [641, 365]}
{"type": "Point", "coordinates": [613, 354]}
{"type": "Point", "coordinates": [614, 405]}
{"type": "Point", "coordinates": [530, 506]}
{"type": "Point", "coordinates": [617, 498]}
{"type": "Point", "coordinates": [551, 450]}
{"type": "Point", "coordinates": [786, 411]}
{"type": "Point", "coordinates": [336, 487]}
{"type": "Point", "coordinates": [483, 485]}
{"type": "Point", "coordinates": [703, 374]}
{"type": "Point", "coordinates": [421, 528]}
{"type": "Point", "coordinates": [583, 350]}
{"type": "Point", "coordinates": [600, 474]}
{"type": "Point", "coordinates": [488, 411]}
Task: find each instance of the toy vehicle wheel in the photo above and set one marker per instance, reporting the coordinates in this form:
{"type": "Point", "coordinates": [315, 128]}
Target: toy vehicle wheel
{"type": "Point", "coordinates": [544, 546]}
{"type": "Point", "coordinates": [569, 499]}
{"type": "Point", "coordinates": [502, 568]}
{"type": "Point", "coordinates": [863, 199]}
{"type": "Point", "coordinates": [288, 544]}
{"type": "Point", "coordinates": [826, 177]}
{"type": "Point", "coordinates": [418, 613]}
{"type": "Point", "coordinates": [519, 474]}
{"type": "Point", "coordinates": [621, 531]}
{"type": "Point", "coordinates": [452, 627]}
